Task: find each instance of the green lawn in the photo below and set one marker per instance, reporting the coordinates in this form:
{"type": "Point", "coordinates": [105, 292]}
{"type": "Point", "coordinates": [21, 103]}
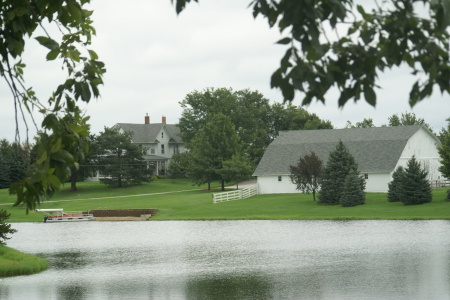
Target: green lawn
{"type": "Point", "coordinates": [196, 204]}
{"type": "Point", "coordinates": [13, 262]}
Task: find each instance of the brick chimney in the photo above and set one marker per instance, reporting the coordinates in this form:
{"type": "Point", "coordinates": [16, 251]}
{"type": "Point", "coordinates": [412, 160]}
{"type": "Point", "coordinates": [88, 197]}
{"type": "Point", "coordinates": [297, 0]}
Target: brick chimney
{"type": "Point", "coordinates": [147, 119]}
{"type": "Point", "coordinates": [164, 120]}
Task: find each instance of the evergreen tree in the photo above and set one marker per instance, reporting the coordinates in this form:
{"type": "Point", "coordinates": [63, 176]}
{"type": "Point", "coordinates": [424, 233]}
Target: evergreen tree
{"type": "Point", "coordinates": [5, 228]}
{"type": "Point", "coordinates": [339, 164]}
{"type": "Point", "coordinates": [394, 186]}
{"type": "Point", "coordinates": [353, 190]}
{"type": "Point", "coordinates": [119, 160]}
{"type": "Point", "coordinates": [306, 174]}
{"type": "Point", "coordinates": [414, 187]}
{"type": "Point", "coordinates": [4, 173]}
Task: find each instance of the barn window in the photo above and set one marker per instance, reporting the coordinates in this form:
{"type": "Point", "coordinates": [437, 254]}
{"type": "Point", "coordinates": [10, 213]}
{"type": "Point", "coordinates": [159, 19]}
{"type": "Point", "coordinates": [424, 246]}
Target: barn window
{"type": "Point", "coordinates": [366, 176]}
{"type": "Point", "coordinates": [279, 178]}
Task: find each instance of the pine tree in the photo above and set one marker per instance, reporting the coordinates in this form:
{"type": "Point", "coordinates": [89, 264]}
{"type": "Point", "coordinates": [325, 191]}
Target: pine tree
{"type": "Point", "coordinates": [394, 186]}
{"type": "Point", "coordinates": [353, 190]}
{"type": "Point", "coordinates": [5, 228]}
{"type": "Point", "coordinates": [338, 166]}
{"type": "Point", "coordinates": [119, 160]}
{"type": "Point", "coordinates": [414, 187]}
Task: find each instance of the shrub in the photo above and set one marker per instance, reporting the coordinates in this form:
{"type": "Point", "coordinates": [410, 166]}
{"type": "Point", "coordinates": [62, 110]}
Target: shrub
{"type": "Point", "coordinates": [353, 190]}
{"type": "Point", "coordinates": [394, 186]}
{"type": "Point", "coordinates": [448, 195]}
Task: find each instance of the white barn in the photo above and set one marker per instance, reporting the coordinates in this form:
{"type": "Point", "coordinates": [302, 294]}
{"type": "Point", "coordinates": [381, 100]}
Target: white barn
{"type": "Point", "coordinates": [378, 152]}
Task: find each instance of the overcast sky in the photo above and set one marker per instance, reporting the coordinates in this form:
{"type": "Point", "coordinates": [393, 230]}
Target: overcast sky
{"type": "Point", "coordinates": [154, 58]}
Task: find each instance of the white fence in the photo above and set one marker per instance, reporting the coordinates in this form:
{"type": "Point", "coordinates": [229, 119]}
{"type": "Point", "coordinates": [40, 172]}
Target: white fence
{"type": "Point", "coordinates": [236, 195]}
{"type": "Point", "coordinates": [435, 184]}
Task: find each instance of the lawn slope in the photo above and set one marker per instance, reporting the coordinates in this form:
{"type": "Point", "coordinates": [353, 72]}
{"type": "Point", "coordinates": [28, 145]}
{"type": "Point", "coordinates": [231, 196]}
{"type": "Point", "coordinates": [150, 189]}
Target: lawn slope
{"type": "Point", "coordinates": [182, 201]}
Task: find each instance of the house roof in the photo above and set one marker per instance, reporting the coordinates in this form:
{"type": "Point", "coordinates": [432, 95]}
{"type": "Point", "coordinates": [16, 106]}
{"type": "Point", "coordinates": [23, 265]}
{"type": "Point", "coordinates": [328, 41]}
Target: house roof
{"type": "Point", "coordinates": [148, 133]}
{"type": "Point", "coordinates": [376, 150]}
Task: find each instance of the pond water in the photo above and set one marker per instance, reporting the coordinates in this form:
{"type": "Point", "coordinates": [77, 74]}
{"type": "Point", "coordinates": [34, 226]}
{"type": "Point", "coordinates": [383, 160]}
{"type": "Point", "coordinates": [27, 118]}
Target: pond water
{"type": "Point", "coordinates": [235, 260]}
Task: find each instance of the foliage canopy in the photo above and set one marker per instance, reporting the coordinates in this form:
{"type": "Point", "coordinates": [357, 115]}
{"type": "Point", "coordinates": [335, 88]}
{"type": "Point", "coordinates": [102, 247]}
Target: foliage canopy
{"type": "Point", "coordinates": [340, 163]}
{"type": "Point", "coordinates": [342, 45]}
{"type": "Point", "coordinates": [119, 160]}
{"type": "Point", "coordinates": [64, 126]}
{"type": "Point", "coordinates": [306, 174]}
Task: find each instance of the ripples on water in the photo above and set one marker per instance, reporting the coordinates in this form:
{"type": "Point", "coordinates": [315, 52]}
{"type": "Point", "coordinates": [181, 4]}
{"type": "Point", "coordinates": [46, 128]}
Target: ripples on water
{"type": "Point", "coordinates": [235, 260]}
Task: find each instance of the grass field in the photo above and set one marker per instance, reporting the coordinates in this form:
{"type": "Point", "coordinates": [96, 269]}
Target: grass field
{"type": "Point", "coordinates": [13, 262]}
{"type": "Point", "coordinates": [182, 201]}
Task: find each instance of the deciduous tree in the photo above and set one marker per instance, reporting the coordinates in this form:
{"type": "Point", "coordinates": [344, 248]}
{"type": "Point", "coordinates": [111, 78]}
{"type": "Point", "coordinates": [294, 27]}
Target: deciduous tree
{"type": "Point", "coordinates": [340, 44]}
{"type": "Point", "coordinates": [238, 168]}
{"type": "Point", "coordinates": [215, 143]}
{"type": "Point", "coordinates": [179, 165]}
{"type": "Point", "coordinates": [70, 45]}
{"type": "Point", "coordinates": [407, 118]}
{"type": "Point", "coordinates": [306, 174]}
{"type": "Point", "coordinates": [366, 123]}
{"type": "Point", "coordinates": [248, 111]}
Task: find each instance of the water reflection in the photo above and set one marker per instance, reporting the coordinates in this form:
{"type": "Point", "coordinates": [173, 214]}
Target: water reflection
{"type": "Point", "coordinates": [236, 260]}
{"type": "Point", "coordinates": [249, 286]}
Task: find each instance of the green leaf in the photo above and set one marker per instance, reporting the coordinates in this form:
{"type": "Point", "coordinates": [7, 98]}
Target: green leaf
{"type": "Point", "coordinates": [56, 147]}
{"type": "Point", "coordinates": [47, 42]}
{"type": "Point", "coordinates": [370, 95]}
{"type": "Point", "coordinates": [93, 55]}
{"type": "Point", "coordinates": [284, 41]}
{"type": "Point", "coordinates": [74, 55]}
{"type": "Point", "coordinates": [53, 54]}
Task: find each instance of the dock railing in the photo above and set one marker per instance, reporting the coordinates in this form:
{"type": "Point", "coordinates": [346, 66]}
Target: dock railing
{"type": "Point", "coordinates": [236, 195]}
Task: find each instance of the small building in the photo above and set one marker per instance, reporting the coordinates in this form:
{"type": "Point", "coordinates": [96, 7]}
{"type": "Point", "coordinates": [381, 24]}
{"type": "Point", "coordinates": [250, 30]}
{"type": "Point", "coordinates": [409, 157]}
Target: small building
{"type": "Point", "coordinates": [378, 152]}
{"type": "Point", "coordinates": [161, 140]}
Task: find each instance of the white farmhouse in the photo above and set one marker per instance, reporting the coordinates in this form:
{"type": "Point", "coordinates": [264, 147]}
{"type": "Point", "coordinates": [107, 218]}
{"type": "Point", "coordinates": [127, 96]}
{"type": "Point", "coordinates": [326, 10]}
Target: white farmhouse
{"type": "Point", "coordinates": [160, 139]}
{"type": "Point", "coordinates": [378, 152]}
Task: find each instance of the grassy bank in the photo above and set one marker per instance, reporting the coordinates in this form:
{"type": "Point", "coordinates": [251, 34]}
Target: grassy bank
{"type": "Point", "coordinates": [196, 204]}
{"type": "Point", "coordinates": [13, 263]}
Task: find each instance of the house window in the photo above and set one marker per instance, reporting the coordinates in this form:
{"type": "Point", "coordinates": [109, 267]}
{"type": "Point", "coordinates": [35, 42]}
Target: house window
{"type": "Point", "coordinates": [175, 149]}
{"type": "Point", "coordinates": [162, 135]}
{"type": "Point", "coordinates": [152, 151]}
{"type": "Point", "coordinates": [279, 178]}
{"type": "Point", "coordinates": [366, 176]}
{"type": "Point", "coordinates": [162, 149]}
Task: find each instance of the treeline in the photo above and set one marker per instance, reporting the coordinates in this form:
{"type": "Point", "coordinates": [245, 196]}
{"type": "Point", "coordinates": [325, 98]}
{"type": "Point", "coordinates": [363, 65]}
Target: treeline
{"type": "Point", "coordinates": [15, 160]}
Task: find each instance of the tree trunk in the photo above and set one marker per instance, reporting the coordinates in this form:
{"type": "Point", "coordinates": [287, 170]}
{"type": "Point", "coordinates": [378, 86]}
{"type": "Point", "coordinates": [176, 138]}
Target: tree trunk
{"type": "Point", "coordinates": [223, 185]}
{"type": "Point", "coordinates": [73, 184]}
{"type": "Point", "coordinates": [209, 186]}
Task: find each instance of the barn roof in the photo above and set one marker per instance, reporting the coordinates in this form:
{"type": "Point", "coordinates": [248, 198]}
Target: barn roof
{"type": "Point", "coordinates": [149, 133]}
{"type": "Point", "coordinates": [376, 150]}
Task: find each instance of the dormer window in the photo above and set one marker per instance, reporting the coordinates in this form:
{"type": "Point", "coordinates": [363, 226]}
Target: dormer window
{"type": "Point", "coordinates": [162, 135]}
